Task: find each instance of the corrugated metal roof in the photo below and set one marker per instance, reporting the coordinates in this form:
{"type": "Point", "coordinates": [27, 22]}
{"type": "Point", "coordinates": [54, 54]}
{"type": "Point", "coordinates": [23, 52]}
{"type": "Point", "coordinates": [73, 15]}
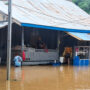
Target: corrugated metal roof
{"type": "Point", "coordinates": [53, 13]}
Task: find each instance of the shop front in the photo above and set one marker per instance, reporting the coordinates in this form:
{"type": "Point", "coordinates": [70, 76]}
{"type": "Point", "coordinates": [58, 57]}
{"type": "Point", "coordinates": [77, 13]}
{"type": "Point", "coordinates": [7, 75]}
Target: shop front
{"type": "Point", "coordinates": [83, 54]}
{"type": "Point", "coordinates": [29, 44]}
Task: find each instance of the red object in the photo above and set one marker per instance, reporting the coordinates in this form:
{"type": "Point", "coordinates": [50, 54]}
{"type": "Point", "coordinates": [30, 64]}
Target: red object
{"type": "Point", "coordinates": [46, 50]}
{"type": "Point", "coordinates": [23, 56]}
{"type": "Point", "coordinates": [77, 49]}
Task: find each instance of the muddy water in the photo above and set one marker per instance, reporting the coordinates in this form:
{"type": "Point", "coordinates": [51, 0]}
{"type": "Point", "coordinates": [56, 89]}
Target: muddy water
{"type": "Point", "coordinates": [46, 78]}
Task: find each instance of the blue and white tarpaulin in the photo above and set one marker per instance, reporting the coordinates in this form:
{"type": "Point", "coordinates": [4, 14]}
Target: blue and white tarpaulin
{"type": "Point", "coordinates": [60, 15]}
{"type": "Point", "coordinates": [3, 24]}
{"type": "Point", "coordinates": [80, 36]}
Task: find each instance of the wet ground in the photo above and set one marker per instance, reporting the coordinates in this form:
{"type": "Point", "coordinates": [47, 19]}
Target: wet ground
{"type": "Point", "coordinates": [46, 78]}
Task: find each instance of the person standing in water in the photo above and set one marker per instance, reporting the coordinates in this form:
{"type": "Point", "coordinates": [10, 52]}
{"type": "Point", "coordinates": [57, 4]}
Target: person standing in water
{"type": "Point", "coordinates": [17, 60]}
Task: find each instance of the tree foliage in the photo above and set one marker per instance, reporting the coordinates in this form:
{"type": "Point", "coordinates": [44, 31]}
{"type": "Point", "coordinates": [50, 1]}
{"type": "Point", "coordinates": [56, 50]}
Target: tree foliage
{"type": "Point", "coordinates": [84, 4]}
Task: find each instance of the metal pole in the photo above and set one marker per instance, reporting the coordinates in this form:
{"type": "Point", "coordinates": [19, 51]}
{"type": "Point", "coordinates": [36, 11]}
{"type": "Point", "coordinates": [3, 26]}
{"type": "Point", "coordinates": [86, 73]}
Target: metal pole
{"type": "Point", "coordinates": [58, 41]}
{"type": "Point", "coordinates": [22, 39]}
{"type": "Point", "coordinates": [9, 39]}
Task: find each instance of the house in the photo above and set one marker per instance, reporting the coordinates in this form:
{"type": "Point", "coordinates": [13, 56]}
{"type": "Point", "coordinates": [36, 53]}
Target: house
{"type": "Point", "coordinates": [50, 19]}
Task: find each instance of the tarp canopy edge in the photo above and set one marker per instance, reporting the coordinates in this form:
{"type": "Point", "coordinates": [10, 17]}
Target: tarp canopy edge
{"type": "Point", "coordinates": [54, 28]}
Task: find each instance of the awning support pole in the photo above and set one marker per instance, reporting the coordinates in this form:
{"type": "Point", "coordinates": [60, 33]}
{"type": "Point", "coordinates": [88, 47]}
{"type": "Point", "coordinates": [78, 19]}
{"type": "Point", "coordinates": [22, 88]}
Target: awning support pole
{"type": "Point", "coordinates": [58, 42]}
{"type": "Point", "coordinates": [9, 38]}
{"type": "Point", "coordinates": [22, 38]}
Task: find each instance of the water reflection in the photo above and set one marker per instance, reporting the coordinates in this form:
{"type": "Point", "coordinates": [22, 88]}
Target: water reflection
{"type": "Point", "coordinates": [46, 78]}
{"type": "Point", "coordinates": [18, 73]}
{"type": "Point", "coordinates": [81, 69]}
{"type": "Point", "coordinates": [81, 76]}
{"type": "Point", "coordinates": [74, 77]}
{"type": "Point", "coordinates": [8, 85]}
{"type": "Point", "coordinates": [61, 69]}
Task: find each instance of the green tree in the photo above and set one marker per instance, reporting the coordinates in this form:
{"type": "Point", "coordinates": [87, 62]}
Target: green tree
{"type": "Point", "coordinates": [84, 4]}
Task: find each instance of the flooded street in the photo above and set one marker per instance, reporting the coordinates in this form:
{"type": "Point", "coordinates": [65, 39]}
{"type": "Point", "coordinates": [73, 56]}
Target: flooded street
{"type": "Point", "coordinates": [46, 78]}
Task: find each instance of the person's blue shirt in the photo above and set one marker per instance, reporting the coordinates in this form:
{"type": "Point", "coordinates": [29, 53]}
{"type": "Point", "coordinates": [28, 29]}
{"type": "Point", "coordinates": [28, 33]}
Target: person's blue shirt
{"type": "Point", "coordinates": [17, 60]}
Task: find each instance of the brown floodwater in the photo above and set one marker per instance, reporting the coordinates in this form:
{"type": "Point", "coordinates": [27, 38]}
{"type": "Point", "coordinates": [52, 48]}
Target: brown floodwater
{"type": "Point", "coordinates": [46, 78]}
